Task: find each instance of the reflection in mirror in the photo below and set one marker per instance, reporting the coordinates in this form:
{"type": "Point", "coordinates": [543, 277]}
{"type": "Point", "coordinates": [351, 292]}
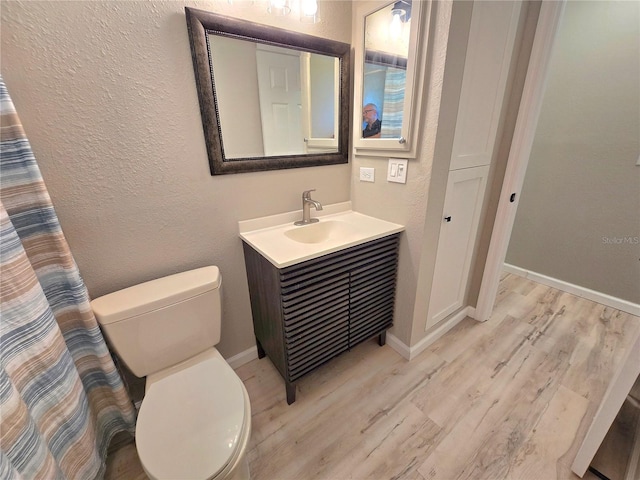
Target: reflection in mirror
{"type": "Point", "coordinates": [386, 44]}
{"type": "Point", "coordinates": [269, 98]}
{"type": "Point", "coordinates": [273, 100]}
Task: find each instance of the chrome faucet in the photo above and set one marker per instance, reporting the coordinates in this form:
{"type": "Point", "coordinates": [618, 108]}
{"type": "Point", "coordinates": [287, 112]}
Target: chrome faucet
{"type": "Point", "coordinates": [307, 201]}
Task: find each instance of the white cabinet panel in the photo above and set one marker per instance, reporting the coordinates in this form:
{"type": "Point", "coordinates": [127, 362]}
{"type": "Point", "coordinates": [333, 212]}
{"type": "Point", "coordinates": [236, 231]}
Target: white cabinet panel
{"type": "Point", "coordinates": [462, 208]}
{"type": "Point", "coordinates": [491, 40]}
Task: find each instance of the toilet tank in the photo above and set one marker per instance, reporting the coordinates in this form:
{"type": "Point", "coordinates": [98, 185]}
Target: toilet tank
{"type": "Point", "coordinates": [157, 324]}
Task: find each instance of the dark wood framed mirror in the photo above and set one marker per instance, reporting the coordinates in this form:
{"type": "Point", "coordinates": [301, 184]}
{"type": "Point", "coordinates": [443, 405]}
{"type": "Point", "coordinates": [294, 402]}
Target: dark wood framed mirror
{"type": "Point", "coordinates": [269, 98]}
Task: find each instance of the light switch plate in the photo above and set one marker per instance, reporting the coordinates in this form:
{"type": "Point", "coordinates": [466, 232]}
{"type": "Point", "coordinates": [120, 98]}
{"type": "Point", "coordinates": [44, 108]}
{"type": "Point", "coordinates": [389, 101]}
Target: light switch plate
{"type": "Point", "coordinates": [367, 174]}
{"type": "Point", "coordinates": [397, 171]}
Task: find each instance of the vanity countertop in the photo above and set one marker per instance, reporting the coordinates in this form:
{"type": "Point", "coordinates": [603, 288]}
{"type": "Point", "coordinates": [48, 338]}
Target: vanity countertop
{"type": "Point", "coordinates": [284, 244]}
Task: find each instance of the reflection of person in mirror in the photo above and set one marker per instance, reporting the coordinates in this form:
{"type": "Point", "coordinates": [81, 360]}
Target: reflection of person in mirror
{"type": "Point", "coordinates": [370, 117]}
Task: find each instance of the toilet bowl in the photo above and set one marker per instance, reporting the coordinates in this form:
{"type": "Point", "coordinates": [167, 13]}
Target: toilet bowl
{"type": "Point", "coordinates": [190, 424]}
{"type": "Point", "coordinates": [195, 419]}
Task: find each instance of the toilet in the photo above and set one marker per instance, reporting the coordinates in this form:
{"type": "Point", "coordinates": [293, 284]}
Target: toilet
{"type": "Point", "coordinates": [195, 419]}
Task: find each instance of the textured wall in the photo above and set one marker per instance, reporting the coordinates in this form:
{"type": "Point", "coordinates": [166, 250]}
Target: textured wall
{"type": "Point", "coordinates": [578, 218]}
{"type": "Point", "coordinates": [106, 93]}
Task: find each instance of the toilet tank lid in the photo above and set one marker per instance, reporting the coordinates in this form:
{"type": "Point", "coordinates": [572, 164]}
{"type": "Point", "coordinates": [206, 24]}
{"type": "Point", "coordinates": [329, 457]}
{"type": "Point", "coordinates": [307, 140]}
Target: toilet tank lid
{"type": "Point", "coordinates": [155, 294]}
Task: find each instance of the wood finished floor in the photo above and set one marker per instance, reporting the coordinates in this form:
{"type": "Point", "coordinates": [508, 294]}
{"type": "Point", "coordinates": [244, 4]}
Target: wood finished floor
{"type": "Point", "coordinates": [510, 398]}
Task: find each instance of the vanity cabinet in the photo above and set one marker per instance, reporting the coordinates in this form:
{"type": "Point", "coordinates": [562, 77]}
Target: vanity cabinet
{"type": "Point", "coordinates": [307, 313]}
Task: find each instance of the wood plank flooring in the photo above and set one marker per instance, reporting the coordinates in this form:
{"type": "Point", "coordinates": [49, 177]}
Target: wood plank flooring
{"type": "Point", "coordinates": [510, 398]}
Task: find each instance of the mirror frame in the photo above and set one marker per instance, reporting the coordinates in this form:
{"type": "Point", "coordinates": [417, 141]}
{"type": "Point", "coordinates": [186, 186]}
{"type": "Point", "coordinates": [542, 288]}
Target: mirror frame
{"type": "Point", "coordinates": [200, 24]}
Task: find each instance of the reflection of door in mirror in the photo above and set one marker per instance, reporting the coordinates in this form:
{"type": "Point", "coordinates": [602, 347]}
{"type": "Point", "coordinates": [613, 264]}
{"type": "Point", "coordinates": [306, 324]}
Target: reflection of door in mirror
{"type": "Point", "coordinates": [280, 100]}
{"type": "Point", "coordinates": [386, 51]}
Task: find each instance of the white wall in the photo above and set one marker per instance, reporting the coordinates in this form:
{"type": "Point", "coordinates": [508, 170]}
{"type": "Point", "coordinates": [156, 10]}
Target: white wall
{"type": "Point", "coordinates": [106, 94]}
{"type": "Point", "coordinates": [578, 218]}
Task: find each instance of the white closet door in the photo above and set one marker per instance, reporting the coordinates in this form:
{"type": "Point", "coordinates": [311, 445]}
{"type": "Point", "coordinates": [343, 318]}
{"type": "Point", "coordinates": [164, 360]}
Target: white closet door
{"type": "Point", "coordinates": [462, 207]}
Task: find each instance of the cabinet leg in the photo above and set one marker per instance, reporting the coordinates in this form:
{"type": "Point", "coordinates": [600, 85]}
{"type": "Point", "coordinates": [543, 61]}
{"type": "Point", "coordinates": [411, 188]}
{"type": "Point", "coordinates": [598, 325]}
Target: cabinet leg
{"type": "Point", "coordinates": [261, 353]}
{"type": "Point", "coordinates": [382, 338]}
{"type": "Point", "coordinates": [291, 392]}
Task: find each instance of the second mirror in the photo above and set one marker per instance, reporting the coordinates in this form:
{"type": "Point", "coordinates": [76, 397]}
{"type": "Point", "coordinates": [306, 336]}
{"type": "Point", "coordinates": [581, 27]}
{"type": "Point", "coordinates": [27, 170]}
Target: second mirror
{"type": "Point", "coordinates": [388, 62]}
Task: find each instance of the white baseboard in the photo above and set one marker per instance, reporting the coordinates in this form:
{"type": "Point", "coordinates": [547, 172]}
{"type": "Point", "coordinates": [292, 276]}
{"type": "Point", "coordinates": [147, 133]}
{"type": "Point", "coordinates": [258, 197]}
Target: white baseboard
{"type": "Point", "coordinates": [399, 346]}
{"type": "Point", "coordinates": [243, 357]}
{"type": "Point", "coordinates": [594, 296]}
{"type": "Point", "coordinates": [443, 327]}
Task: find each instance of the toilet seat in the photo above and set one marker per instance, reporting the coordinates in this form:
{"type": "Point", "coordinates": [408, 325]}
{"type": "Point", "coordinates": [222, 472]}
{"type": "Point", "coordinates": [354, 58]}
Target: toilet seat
{"type": "Point", "coordinates": [193, 420]}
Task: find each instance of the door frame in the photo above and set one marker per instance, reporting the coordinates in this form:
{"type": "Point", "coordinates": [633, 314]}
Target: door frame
{"type": "Point", "coordinates": [524, 133]}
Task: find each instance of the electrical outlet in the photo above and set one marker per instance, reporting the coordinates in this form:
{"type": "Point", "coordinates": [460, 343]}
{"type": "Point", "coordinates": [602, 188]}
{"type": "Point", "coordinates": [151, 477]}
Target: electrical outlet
{"type": "Point", "coordinates": [397, 171]}
{"type": "Point", "coordinates": [367, 174]}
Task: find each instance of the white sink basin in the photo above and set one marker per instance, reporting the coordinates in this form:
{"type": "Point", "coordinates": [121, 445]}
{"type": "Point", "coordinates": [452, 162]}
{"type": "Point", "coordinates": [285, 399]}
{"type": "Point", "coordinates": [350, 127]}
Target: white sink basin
{"type": "Point", "coordinates": [285, 244]}
{"type": "Point", "coordinates": [320, 232]}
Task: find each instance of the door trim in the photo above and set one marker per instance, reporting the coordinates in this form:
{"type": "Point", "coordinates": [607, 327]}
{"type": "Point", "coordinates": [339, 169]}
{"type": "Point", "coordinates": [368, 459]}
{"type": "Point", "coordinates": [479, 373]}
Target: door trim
{"type": "Point", "coordinates": [530, 106]}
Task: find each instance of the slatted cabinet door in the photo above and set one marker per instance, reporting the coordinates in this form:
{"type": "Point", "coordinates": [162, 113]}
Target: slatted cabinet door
{"type": "Point", "coordinates": [372, 294]}
{"type": "Point", "coordinates": [308, 313]}
{"type": "Point", "coordinates": [316, 321]}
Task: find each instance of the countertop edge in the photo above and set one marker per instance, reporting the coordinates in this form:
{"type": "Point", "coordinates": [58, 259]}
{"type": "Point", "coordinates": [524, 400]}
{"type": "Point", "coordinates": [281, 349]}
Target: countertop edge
{"type": "Point", "coordinates": [326, 251]}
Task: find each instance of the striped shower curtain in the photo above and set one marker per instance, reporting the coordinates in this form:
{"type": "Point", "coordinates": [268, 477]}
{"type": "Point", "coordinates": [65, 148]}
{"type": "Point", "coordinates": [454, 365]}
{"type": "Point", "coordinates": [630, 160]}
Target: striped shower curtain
{"type": "Point", "coordinates": [61, 398]}
{"type": "Point", "coordinates": [392, 114]}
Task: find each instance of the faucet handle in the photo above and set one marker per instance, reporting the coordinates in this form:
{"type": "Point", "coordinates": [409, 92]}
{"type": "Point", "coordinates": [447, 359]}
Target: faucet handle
{"type": "Point", "coordinates": [307, 193]}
